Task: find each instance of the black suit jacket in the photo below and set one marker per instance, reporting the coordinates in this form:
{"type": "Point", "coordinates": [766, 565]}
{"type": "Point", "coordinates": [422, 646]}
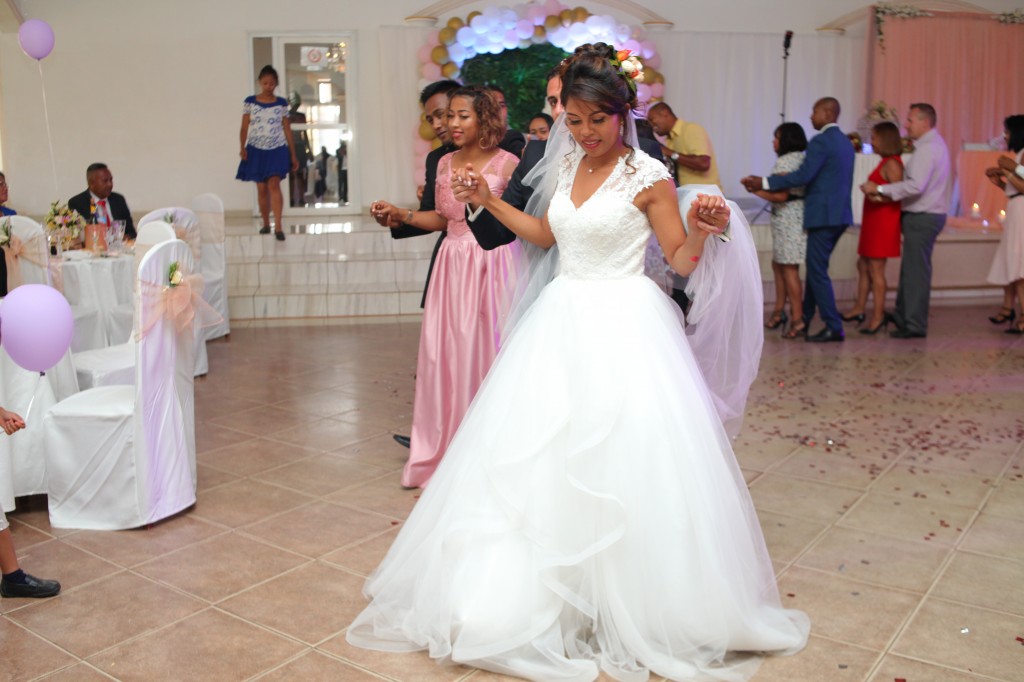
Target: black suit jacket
{"type": "Point", "coordinates": [490, 233]}
{"type": "Point", "coordinates": [118, 210]}
{"type": "Point", "coordinates": [427, 203]}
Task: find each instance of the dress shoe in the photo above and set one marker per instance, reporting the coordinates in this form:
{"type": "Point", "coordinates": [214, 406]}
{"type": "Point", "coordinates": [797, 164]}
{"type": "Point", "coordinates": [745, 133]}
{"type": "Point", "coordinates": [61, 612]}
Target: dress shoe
{"type": "Point", "coordinates": [858, 318]}
{"type": "Point", "coordinates": [826, 335]}
{"type": "Point", "coordinates": [906, 334]}
{"type": "Point", "coordinates": [32, 588]}
{"type": "Point", "coordinates": [404, 441]}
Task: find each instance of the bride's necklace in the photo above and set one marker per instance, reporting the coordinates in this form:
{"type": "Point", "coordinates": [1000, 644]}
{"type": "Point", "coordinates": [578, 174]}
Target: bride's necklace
{"type": "Point", "coordinates": [591, 169]}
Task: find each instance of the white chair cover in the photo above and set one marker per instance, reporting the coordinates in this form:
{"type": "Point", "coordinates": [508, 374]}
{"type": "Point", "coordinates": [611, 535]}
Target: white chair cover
{"type": "Point", "coordinates": [121, 457]}
{"type": "Point", "coordinates": [89, 331]}
{"type": "Point", "coordinates": [185, 224]}
{"type": "Point", "coordinates": [210, 210]}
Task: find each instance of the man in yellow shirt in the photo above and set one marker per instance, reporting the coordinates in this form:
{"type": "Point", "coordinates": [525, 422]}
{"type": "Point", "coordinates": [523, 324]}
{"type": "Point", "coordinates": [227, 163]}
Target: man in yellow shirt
{"type": "Point", "coordinates": [687, 144]}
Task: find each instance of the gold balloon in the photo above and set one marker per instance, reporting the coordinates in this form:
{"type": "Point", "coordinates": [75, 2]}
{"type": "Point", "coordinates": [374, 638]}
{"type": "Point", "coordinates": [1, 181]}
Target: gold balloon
{"type": "Point", "coordinates": [471, 16]}
{"type": "Point", "coordinates": [450, 70]}
{"type": "Point", "coordinates": [580, 14]}
{"type": "Point", "coordinates": [455, 23]}
{"type": "Point", "coordinates": [446, 35]}
{"type": "Point", "coordinates": [540, 34]}
{"type": "Point", "coordinates": [439, 55]}
{"type": "Point", "coordinates": [427, 131]}
{"type": "Point", "coordinates": [551, 22]}
{"type": "Point", "coordinates": [565, 17]}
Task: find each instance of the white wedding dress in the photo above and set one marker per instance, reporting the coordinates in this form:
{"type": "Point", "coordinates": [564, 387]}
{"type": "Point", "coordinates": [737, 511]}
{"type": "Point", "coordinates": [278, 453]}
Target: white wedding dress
{"type": "Point", "coordinates": [589, 514]}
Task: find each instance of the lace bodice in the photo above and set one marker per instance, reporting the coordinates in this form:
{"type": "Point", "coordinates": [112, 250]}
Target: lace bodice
{"type": "Point", "coordinates": [497, 172]}
{"type": "Point", "coordinates": [606, 236]}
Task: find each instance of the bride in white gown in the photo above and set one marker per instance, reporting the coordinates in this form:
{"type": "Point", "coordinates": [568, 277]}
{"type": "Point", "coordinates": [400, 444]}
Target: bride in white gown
{"type": "Point", "coordinates": [589, 514]}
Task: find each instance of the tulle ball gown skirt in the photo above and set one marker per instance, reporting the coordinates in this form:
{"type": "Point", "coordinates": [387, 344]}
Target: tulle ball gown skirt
{"type": "Point", "coordinates": [589, 514]}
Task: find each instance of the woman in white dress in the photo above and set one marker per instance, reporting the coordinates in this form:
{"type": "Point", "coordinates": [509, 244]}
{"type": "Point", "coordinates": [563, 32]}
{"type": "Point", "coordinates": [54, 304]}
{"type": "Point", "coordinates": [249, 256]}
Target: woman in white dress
{"type": "Point", "coordinates": [589, 514]}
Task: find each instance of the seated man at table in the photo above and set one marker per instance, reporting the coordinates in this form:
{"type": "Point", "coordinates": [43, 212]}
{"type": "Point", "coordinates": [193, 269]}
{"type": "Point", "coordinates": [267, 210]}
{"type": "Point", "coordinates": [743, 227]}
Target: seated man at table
{"type": "Point", "coordinates": [100, 202]}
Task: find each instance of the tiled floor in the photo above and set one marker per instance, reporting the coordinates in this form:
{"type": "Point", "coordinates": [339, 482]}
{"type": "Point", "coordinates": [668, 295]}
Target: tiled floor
{"type": "Point", "coordinates": [888, 474]}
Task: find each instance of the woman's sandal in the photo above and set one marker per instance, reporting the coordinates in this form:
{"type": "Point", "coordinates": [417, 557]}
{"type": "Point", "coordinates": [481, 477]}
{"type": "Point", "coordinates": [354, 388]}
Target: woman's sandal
{"type": "Point", "coordinates": [1005, 315]}
{"type": "Point", "coordinates": [1016, 328]}
{"type": "Point", "coordinates": [265, 229]}
{"type": "Point", "coordinates": [777, 319]}
{"type": "Point", "coordinates": [795, 332]}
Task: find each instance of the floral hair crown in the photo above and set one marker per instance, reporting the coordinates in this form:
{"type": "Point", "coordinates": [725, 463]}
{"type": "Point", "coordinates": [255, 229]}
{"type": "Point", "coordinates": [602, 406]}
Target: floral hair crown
{"type": "Point", "coordinates": [629, 67]}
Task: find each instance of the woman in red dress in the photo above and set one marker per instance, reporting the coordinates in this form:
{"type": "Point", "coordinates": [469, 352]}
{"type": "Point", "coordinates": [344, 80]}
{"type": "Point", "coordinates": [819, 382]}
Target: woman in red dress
{"type": "Point", "coordinates": [879, 230]}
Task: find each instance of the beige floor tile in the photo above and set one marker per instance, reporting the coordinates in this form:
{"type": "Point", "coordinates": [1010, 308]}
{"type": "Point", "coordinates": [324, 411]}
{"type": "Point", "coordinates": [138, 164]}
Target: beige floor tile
{"type": "Point", "coordinates": [211, 437]}
{"type": "Point", "coordinates": [977, 462]}
{"type": "Point", "coordinates": [364, 556]}
{"type": "Point", "coordinates": [964, 638]}
{"type": "Point", "coordinates": [211, 406]}
{"type": "Point", "coordinates": [901, 668]}
{"type": "Point", "coordinates": [284, 603]}
{"type": "Point", "coordinates": [209, 646]}
{"type": "Point", "coordinates": [381, 451]}
{"type": "Point", "coordinates": [822, 659]}
{"type": "Point", "coordinates": [264, 420]}
{"type": "Point", "coordinates": [997, 536]}
{"type": "Point", "coordinates": [923, 482]}
{"type": "Point", "coordinates": [221, 566]}
{"type": "Point", "coordinates": [253, 456]}
{"type": "Point", "coordinates": [879, 559]}
{"type": "Point", "coordinates": [130, 547]}
{"type": "Point", "coordinates": [983, 581]}
{"type": "Point", "coordinates": [82, 672]}
{"type": "Point", "coordinates": [1008, 499]}
{"type": "Point", "coordinates": [845, 610]}
{"type": "Point", "coordinates": [110, 611]}
{"type": "Point", "coordinates": [761, 455]}
{"type": "Point", "coordinates": [805, 499]}
{"type": "Point", "coordinates": [209, 478]}
{"type": "Point", "coordinates": [24, 656]}
{"type": "Point", "coordinates": [316, 667]}
{"type": "Point", "coordinates": [328, 434]}
{"type": "Point", "coordinates": [25, 535]}
{"type": "Point", "coordinates": [788, 536]}
{"type": "Point", "coordinates": [837, 467]}
{"type": "Point", "coordinates": [911, 519]}
{"type": "Point", "coordinates": [321, 403]}
{"type": "Point", "coordinates": [319, 528]}
{"type": "Point", "coordinates": [415, 666]}
{"type": "Point", "coordinates": [321, 474]}
{"type": "Point", "coordinates": [245, 502]}
{"type": "Point", "coordinates": [60, 561]}
{"type": "Point", "coordinates": [383, 495]}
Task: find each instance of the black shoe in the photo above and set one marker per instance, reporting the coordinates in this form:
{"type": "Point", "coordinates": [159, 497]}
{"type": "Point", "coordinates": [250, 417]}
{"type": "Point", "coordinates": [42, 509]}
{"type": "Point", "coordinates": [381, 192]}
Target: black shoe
{"type": "Point", "coordinates": [265, 229]}
{"type": "Point", "coordinates": [776, 320]}
{"type": "Point", "coordinates": [32, 588]}
{"type": "Point", "coordinates": [884, 324]}
{"type": "Point", "coordinates": [859, 318]}
{"type": "Point", "coordinates": [1016, 328]}
{"type": "Point", "coordinates": [279, 236]}
{"type": "Point", "coordinates": [905, 334]}
{"type": "Point", "coordinates": [1005, 315]}
{"type": "Point", "coordinates": [826, 335]}
{"type": "Point", "coordinates": [404, 441]}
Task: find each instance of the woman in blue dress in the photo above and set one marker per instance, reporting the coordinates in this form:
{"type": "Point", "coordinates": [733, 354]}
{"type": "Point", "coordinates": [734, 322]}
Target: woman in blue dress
{"type": "Point", "coordinates": [267, 152]}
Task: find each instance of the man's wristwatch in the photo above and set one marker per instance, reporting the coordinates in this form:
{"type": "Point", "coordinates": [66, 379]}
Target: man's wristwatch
{"type": "Point", "coordinates": [408, 217]}
{"type": "Point", "coordinates": [674, 156]}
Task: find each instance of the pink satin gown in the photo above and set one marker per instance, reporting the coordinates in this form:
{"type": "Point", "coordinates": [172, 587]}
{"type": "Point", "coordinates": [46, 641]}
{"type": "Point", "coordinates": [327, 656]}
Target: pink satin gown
{"type": "Point", "coordinates": [461, 323]}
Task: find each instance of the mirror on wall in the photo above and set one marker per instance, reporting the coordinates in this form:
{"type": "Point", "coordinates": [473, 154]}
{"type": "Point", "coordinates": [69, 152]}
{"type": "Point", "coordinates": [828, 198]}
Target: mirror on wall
{"type": "Point", "coordinates": [315, 78]}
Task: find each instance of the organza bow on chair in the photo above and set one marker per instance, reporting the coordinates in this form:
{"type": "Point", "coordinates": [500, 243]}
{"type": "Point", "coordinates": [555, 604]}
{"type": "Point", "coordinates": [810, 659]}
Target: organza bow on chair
{"type": "Point", "coordinates": [181, 303]}
{"type": "Point", "coordinates": [15, 250]}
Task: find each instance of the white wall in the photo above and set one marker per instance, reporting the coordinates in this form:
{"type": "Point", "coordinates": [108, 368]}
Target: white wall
{"type": "Point", "coordinates": [154, 87]}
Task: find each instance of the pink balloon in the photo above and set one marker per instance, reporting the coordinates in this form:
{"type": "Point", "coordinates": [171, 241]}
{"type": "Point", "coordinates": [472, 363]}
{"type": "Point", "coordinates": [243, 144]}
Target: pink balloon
{"type": "Point", "coordinates": [657, 90]}
{"type": "Point", "coordinates": [36, 326]}
{"type": "Point", "coordinates": [643, 92]}
{"type": "Point", "coordinates": [423, 54]}
{"type": "Point", "coordinates": [431, 71]}
{"type": "Point", "coordinates": [36, 38]}
{"type": "Point", "coordinates": [654, 61]}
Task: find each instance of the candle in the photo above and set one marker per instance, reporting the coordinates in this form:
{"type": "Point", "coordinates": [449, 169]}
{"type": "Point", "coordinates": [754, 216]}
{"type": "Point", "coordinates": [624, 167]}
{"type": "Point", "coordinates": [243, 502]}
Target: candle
{"type": "Point", "coordinates": [975, 211]}
{"type": "Point", "coordinates": [1002, 217]}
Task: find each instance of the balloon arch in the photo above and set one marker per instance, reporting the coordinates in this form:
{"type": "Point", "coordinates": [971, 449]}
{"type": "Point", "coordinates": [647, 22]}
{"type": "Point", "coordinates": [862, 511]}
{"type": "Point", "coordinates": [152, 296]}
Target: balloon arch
{"type": "Point", "coordinates": [497, 29]}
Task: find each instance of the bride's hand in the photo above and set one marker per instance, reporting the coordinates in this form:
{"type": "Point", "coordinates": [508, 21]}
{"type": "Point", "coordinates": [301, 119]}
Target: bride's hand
{"type": "Point", "coordinates": [469, 186]}
{"type": "Point", "coordinates": [710, 213]}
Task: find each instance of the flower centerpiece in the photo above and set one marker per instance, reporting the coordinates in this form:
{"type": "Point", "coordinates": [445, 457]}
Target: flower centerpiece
{"type": "Point", "coordinates": [876, 113]}
{"type": "Point", "coordinates": [64, 224]}
{"type": "Point", "coordinates": [5, 233]}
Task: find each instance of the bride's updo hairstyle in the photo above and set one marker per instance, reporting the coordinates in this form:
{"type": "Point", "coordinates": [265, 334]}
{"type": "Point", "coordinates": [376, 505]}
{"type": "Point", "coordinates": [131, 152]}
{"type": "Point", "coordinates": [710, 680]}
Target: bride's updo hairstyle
{"type": "Point", "coordinates": [589, 76]}
{"type": "Point", "coordinates": [491, 125]}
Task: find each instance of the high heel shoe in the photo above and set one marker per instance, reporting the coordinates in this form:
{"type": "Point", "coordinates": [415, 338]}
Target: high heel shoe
{"type": "Point", "coordinates": [1003, 316]}
{"type": "Point", "coordinates": [776, 320]}
{"type": "Point", "coordinates": [858, 318]}
{"type": "Point", "coordinates": [796, 332]}
{"type": "Point", "coordinates": [1016, 328]}
{"type": "Point", "coordinates": [884, 324]}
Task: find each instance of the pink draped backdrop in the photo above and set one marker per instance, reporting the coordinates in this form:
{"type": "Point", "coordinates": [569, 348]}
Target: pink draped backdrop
{"type": "Point", "coordinates": [965, 65]}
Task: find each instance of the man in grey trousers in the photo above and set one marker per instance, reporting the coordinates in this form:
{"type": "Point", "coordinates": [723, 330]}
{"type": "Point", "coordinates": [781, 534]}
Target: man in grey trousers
{"type": "Point", "coordinates": [925, 196]}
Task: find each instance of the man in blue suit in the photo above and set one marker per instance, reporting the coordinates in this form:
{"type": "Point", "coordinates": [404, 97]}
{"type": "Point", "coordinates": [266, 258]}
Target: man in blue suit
{"type": "Point", "coordinates": [827, 173]}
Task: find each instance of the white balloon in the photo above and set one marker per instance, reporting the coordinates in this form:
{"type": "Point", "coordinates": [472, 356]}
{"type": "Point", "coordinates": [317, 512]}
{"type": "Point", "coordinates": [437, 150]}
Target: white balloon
{"type": "Point", "coordinates": [465, 36]}
{"type": "Point", "coordinates": [479, 24]}
{"type": "Point", "coordinates": [511, 40]}
{"type": "Point", "coordinates": [457, 52]}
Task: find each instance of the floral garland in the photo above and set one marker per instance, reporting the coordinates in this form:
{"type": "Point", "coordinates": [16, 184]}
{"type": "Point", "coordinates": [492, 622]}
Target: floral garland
{"type": "Point", "coordinates": [174, 275]}
{"type": "Point", "coordinates": [884, 9]}
{"type": "Point", "coordinates": [1014, 17]}
{"type": "Point", "coordinates": [629, 67]}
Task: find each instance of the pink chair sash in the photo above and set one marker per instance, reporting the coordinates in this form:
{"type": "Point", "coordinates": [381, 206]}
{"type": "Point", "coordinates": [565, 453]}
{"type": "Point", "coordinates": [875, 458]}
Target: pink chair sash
{"type": "Point", "coordinates": [183, 305]}
{"type": "Point", "coordinates": [14, 252]}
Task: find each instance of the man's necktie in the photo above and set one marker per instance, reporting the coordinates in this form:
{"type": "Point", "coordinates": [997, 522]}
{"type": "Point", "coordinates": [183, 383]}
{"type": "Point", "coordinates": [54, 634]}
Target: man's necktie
{"type": "Point", "coordinates": [104, 213]}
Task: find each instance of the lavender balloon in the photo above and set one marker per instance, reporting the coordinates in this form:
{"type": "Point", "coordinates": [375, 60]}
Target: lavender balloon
{"type": "Point", "coordinates": [36, 38]}
{"type": "Point", "coordinates": [36, 326]}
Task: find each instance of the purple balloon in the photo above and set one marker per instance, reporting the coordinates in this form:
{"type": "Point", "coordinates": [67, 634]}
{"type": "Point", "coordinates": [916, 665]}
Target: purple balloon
{"type": "Point", "coordinates": [36, 326]}
{"type": "Point", "coordinates": [36, 38]}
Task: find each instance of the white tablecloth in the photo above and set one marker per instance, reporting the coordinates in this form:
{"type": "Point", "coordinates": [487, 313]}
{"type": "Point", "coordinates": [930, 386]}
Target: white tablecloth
{"type": "Point", "coordinates": [96, 282]}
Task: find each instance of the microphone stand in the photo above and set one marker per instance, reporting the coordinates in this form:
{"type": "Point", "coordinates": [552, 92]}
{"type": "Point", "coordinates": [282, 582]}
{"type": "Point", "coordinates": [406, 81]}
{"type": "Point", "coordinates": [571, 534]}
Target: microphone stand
{"type": "Point", "coordinates": [785, 71]}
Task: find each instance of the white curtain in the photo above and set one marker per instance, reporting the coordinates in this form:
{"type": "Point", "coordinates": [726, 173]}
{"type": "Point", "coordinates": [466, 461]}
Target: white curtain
{"type": "Point", "coordinates": [731, 83]}
{"type": "Point", "coordinates": [399, 113]}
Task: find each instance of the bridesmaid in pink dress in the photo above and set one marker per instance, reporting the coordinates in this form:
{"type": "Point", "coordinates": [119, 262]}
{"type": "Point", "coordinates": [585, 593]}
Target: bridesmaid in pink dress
{"type": "Point", "coordinates": [464, 305]}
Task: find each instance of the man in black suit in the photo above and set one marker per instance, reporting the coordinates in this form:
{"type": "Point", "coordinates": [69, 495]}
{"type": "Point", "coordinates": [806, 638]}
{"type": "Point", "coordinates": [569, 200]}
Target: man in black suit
{"type": "Point", "coordinates": [100, 202]}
